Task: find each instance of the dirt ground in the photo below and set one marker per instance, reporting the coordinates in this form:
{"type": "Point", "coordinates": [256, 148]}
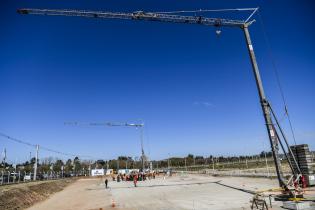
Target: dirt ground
{"type": "Point", "coordinates": [177, 192]}
{"type": "Point", "coordinates": [23, 195]}
{"type": "Point", "coordinates": [83, 194]}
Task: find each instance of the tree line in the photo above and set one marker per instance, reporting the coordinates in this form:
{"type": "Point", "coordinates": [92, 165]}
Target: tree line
{"type": "Point", "coordinates": [77, 166]}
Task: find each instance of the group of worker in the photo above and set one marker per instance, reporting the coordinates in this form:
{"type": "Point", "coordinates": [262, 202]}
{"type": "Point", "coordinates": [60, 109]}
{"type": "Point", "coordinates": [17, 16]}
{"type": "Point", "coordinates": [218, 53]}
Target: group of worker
{"type": "Point", "coordinates": [134, 176]}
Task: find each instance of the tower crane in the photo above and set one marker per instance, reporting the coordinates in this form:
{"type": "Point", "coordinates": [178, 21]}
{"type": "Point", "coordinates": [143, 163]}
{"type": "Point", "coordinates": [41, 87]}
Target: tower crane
{"type": "Point", "coordinates": [174, 17]}
{"type": "Point", "coordinates": [139, 126]}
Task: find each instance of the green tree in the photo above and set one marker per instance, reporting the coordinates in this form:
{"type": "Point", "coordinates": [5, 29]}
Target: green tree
{"type": "Point", "coordinates": [76, 165]}
{"type": "Point", "coordinates": [68, 166]}
{"type": "Point", "coordinates": [58, 164]}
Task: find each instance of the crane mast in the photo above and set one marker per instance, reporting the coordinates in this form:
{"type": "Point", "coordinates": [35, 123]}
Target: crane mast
{"type": "Point", "coordinates": [198, 20]}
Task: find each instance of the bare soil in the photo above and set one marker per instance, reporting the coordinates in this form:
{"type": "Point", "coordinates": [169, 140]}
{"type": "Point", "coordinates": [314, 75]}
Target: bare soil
{"type": "Point", "coordinates": [24, 195]}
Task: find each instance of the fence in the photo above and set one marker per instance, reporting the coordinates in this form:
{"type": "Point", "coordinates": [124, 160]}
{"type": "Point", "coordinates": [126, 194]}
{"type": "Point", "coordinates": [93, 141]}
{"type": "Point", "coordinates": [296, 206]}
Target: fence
{"type": "Point", "coordinates": [8, 177]}
{"type": "Point", "coordinates": [257, 172]}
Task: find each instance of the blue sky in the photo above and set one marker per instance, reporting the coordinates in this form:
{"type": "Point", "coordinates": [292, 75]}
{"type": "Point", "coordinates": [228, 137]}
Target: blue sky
{"type": "Point", "coordinates": [194, 91]}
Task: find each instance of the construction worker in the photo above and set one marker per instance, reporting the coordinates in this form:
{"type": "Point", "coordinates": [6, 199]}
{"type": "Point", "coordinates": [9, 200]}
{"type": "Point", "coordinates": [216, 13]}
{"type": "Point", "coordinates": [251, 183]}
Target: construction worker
{"type": "Point", "coordinates": [303, 182]}
{"type": "Point", "coordinates": [135, 179]}
{"type": "Point", "coordinates": [106, 183]}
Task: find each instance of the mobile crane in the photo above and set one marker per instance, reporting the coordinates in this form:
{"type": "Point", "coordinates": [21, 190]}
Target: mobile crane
{"type": "Point", "coordinates": [273, 129]}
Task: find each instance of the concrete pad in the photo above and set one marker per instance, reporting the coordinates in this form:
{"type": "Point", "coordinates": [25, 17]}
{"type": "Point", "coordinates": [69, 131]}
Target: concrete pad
{"type": "Point", "coordinates": [176, 192]}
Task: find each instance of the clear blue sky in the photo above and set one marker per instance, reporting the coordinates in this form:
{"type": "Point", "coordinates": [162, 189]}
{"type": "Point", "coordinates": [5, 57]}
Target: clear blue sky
{"type": "Point", "coordinates": [194, 91]}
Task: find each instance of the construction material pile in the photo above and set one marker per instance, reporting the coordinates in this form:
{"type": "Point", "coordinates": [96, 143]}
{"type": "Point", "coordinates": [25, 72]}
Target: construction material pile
{"type": "Point", "coordinates": [304, 159]}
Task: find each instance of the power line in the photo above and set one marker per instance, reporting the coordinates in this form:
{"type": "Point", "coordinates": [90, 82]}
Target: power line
{"type": "Point", "coordinates": [17, 140]}
{"type": "Point", "coordinates": [42, 147]}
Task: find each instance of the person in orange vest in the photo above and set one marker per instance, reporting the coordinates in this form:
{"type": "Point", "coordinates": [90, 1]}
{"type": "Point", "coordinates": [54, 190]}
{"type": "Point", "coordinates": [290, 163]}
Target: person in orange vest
{"type": "Point", "coordinates": [135, 179]}
{"type": "Point", "coordinates": [303, 182]}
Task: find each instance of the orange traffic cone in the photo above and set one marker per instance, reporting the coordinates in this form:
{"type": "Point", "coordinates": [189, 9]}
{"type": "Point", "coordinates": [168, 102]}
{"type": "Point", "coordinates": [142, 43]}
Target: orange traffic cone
{"type": "Point", "coordinates": [113, 203]}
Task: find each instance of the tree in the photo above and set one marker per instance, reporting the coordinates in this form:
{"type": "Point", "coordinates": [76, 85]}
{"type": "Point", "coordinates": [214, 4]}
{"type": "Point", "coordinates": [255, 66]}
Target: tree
{"type": "Point", "coordinates": [58, 164]}
{"type": "Point", "coordinates": [68, 166]}
{"type": "Point", "coordinates": [100, 163]}
{"type": "Point", "coordinates": [33, 160]}
{"type": "Point", "coordinates": [76, 165]}
{"type": "Point", "coordinates": [190, 156]}
{"type": "Point", "coordinates": [122, 158]}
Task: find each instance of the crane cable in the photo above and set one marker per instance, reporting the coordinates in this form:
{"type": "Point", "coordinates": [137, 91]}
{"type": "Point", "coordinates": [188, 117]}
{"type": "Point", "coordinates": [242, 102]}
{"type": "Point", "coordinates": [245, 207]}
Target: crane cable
{"type": "Point", "coordinates": [276, 74]}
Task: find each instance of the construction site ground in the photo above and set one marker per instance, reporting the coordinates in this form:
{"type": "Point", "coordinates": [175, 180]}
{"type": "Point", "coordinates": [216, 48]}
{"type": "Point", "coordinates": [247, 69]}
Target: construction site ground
{"type": "Point", "coordinates": [176, 192]}
{"type": "Point", "coordinates": [23, 195]}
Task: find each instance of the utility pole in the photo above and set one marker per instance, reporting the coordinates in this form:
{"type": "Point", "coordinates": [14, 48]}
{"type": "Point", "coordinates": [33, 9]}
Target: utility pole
{"type": "Point", "coordinates": [185, 164]}
{"type": "Point", "coordinates": [168, 161]}
{"type": "Point", "coordinates": [4, 157]}
{"type": "Point", "coordinates": [239, 162]}
{"type": "Point", "coordinates": [14, 165]}
{"type": "Point", "coordinates": [36, 163]}
{"type": "Point", "coordinates": [74, 167]}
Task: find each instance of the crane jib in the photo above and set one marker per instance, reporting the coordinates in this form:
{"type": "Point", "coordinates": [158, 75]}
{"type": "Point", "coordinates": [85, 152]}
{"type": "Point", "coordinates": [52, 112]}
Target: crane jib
{"type": "Point", "coordinates": [139, 15]}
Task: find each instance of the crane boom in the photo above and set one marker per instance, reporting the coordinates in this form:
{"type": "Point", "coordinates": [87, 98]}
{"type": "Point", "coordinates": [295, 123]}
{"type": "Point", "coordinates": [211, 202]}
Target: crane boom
{"type": "Point", "coordinates": [138, 15]}
{"type": "Point", "coordinates": [200, 20]}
